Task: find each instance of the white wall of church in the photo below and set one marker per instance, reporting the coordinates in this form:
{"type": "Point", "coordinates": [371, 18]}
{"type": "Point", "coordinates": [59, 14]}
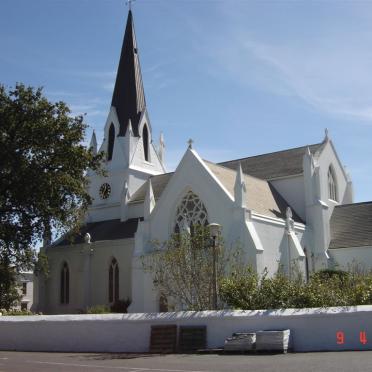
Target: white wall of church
{"type": "Point", "coordinates": [270, 234]}
{"type": "Point", "coordinates": [319, 207]}
{"type": "Point", "coordinates": [88, 267]}
{"type": "Point", "coordinates": [329, 158]}
{"type": "Point", "coordinates": [359, 258]}
{"type": "Point", "coordinates": [277, 248]}
{"type": "Point", "coordinates": [293, 191]}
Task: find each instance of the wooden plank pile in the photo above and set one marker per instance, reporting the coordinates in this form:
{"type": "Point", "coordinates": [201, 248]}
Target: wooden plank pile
{"type": "Point", "coordinates": [192, 338]}
{"type": "Point", "coordinates": [163, 339]}
{"type": "Point", "coordinates": [166, 338]}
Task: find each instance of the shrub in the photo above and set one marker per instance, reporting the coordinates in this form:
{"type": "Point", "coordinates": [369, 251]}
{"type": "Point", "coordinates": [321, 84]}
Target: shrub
{"type": "Point", "coordinates": [120, 306]}
{"type": "Point", "coordinates": [98, 309]}
{"type": "Point", "coordinates": [246, 290]}
{"type": "Point", "coordinates": [15, 312]}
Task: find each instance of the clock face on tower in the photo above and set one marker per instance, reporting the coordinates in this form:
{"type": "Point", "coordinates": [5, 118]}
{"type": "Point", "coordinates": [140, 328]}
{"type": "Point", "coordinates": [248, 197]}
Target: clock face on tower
{"type": "Point", "coordinates": [104, 191]}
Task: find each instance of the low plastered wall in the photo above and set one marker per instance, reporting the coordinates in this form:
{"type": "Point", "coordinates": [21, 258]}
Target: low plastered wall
{"type": "Point", "coordinates": [311, 329]}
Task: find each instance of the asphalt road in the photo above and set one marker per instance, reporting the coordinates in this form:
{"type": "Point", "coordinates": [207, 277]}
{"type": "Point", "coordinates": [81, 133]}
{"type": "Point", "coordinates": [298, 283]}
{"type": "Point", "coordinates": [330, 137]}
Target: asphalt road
{"type": "Point", "coordinates": [352, 361]}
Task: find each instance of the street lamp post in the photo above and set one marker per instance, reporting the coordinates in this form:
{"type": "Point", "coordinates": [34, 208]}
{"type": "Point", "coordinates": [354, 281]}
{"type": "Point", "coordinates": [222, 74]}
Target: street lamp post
{"type": "Point", "coordinates": [214, 230]}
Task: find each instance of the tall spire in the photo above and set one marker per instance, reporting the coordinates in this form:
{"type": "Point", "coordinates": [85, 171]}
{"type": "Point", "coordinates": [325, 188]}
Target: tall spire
{"type": "Point", "coordinates": [129, 97]}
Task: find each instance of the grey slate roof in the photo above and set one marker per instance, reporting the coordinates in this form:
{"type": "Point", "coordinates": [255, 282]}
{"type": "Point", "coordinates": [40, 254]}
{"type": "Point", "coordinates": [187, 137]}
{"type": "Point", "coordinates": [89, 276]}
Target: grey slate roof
{"type": "Point", "coordinates": [129, 96]}
{"type": "Point", "coordinates": [351, 226]}
{"type": "Point", "coordinates": [158, 185]}
{"type": "Point", "coordinates": [261, 196]}
{"type": "Point", "coordinates": [103, 230]}
{"type": "Point", "coordinates": [265, 166]}
{"type": "Point", "coordinates": [275, 164]}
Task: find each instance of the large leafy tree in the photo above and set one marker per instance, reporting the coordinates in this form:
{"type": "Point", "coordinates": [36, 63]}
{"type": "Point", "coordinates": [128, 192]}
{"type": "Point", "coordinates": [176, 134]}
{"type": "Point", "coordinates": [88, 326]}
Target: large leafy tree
{"type": "Point", "coordinates": [42, 173]}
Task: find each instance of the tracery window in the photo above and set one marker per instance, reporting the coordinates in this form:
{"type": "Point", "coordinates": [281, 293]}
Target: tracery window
{"type": "Point", "coordinates": [65, 284]}
{"type": "Point", "coordinates": [113, 281]}
{"type": "Point", "coordinates": [332, 186]}
{"type": "Point", "coordinates": [190, 212]}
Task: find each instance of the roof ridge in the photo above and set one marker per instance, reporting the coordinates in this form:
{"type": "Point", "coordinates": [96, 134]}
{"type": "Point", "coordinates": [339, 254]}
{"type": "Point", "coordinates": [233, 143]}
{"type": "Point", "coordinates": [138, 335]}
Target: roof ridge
{"type": "Point", "coordinates": [353, 204]}
{"type": "Point", "coordinates": [271, 153]}
{"type": "Point", "coordinates": [158, 175]}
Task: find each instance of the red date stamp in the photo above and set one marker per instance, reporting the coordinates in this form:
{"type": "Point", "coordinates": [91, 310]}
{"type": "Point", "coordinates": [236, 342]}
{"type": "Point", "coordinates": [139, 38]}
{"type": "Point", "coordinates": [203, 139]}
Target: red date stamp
{"type": "Point", "coordinates": [340, 337]}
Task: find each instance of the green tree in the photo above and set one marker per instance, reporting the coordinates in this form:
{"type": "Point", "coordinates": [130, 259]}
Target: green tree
{"type": "Point", "coordinates": [9, 293]}
{"type": "Point", "coordinates": [182, 268]}
{"type": "Point", "coordinates": [42, 174]}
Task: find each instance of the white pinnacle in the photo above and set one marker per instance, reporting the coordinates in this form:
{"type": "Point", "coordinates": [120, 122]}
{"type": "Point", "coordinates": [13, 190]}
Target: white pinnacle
{"type": "Point", "coordinates": [240, 189]}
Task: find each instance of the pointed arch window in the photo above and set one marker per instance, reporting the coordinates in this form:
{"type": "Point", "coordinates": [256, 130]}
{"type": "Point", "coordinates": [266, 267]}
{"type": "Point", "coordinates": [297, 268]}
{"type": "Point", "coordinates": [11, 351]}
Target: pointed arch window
{"type": "Point", "coordinates": [65, 284]}
{"type": "Point", "coordinates": [111, 140]}
{"type": "Point", "coordinates": [332, 185]}
{"type": "Point", "coordinates": [145, 139]}
{"type": "Point", "coordinates": [113, 281]}
{"type": "Point", "coordinates": [190, 212]}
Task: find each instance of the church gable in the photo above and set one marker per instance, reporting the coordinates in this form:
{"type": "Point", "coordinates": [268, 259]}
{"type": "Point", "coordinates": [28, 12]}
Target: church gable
{"type": "Point", "coordinates": [333, 177]}
{"type": "Point", "coordinates": [191, 175]}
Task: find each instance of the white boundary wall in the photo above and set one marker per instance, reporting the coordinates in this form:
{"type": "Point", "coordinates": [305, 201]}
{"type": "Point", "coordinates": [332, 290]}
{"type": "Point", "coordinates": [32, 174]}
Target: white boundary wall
{"type": "Point", "coordinates": [311, 329]}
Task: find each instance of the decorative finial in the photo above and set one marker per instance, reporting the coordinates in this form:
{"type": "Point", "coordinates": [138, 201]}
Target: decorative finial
{"type": "Point", "coordinates": [190, 142]}
{"type": "Point", "coordinates": [129, 3]}
{"type": "Point", "coordinates": [308, 152]}
{"type": "Point", "coordinates": [326, 136]}
{"type": "Point", "coordinates": [288, 213]}
{"type": "Point", "coordinates": [289, 219]}
{"type": "Point", "coordinates": [87, 238]}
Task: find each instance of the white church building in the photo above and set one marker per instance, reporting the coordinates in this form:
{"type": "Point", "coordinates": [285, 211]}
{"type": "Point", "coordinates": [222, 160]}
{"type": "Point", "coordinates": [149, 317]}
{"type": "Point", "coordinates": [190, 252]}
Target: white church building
{"type": "Point", "coordinates": [291, 206]}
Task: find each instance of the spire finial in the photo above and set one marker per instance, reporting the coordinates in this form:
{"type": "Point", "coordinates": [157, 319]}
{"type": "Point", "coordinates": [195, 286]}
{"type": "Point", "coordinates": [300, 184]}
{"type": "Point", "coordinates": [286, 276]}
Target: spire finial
{"type": "Point", "coordinates": [128, 96]}
{"type": "Point", "coordinates": [93, 143]}
{"type": "Point", "coordinates": [129, 3]}
{"type": "Point", "coordinates": [326, 134]}
{"type": "Point", "coordinates": [289, 222]}
{"type": "Point", "coordinates": [240, 189]}
{"type": "Point", "coordinates": [190, 142]}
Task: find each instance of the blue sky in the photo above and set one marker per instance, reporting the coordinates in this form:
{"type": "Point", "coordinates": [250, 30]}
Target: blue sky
{"type": "Point", "coordinates": [239, 77]}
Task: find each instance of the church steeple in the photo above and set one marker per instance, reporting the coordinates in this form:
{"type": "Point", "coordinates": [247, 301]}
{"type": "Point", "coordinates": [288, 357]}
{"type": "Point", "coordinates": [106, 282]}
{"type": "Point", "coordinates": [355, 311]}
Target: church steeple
{"type": "Point", "coordinates": [129, 97]}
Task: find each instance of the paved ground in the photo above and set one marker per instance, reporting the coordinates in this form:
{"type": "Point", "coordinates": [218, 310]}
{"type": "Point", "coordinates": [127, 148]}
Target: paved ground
{"type": "Point", "coordinates": [352, 361]}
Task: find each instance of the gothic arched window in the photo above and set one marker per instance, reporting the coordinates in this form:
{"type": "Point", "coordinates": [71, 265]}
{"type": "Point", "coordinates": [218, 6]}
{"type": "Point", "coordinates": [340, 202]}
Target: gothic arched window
{"type": "Point", "coordinates": [111, 140]}
{"type": "Point", "coordinates": [113, 281]}
{"type": "Point", "coordinates": [190, 212]}
{"type": "Point", "coordinates": [145, 139]}
{"type": "Point", "coordinates": [332, 185]}
{"type": "Point", "coordinates": [65, 284]}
